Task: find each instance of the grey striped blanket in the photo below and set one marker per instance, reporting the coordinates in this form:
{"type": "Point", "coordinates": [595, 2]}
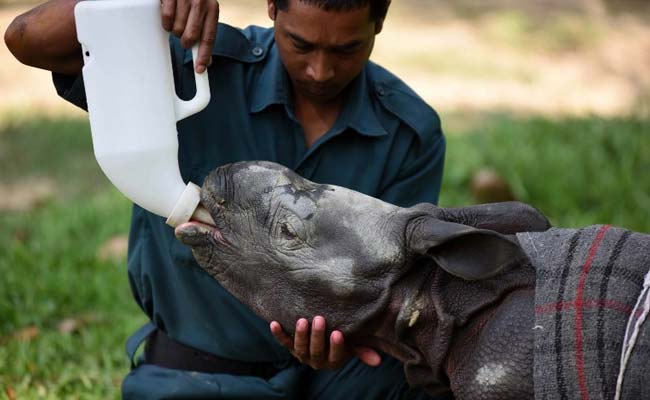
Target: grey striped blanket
{"type": "Point", "coordinates": [588, 282]}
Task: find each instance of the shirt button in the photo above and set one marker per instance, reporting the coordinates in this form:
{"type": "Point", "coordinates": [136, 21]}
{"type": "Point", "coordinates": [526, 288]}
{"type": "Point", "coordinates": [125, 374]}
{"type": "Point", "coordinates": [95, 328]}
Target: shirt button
{"type": "Point", "coordinates": [257, 51]}
{"type": "Point", "coordinates": [381, 91]}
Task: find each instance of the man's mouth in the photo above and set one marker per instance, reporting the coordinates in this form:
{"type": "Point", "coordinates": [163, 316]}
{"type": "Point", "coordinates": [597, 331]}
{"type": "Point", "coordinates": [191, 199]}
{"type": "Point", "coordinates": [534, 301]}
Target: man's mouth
{"type": "Point", "coordinates": [320, 91]}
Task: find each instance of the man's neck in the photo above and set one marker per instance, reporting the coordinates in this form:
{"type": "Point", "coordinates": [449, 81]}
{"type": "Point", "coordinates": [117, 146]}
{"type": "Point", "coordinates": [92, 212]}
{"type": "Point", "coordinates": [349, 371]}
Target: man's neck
{"type": "Point", "coordinates": [316, 118]}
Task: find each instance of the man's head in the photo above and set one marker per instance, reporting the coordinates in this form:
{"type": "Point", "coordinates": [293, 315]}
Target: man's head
{"type": "Point", "coordinates": [324, 44]}
{"type": "Point", "coordinates": [377, 8]}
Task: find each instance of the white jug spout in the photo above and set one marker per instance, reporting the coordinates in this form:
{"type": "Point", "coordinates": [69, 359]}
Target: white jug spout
{"type": "Point", "coordinates": [187, 208]}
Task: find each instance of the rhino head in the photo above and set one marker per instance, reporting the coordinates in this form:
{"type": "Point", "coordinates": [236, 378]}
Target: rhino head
{"type": "Point", "coordinates": [276, 249]}
{"type": "Point", "coordinates": [291, 248]}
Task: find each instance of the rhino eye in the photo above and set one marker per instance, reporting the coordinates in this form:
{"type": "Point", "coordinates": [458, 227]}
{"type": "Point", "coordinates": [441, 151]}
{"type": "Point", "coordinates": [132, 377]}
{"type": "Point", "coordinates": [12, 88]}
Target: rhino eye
{"type": "Point", "coordinates": [288, 231]}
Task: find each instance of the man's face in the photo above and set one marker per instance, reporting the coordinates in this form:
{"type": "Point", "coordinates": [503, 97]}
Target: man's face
{"type": "Point", "coordinates": [322, 50]}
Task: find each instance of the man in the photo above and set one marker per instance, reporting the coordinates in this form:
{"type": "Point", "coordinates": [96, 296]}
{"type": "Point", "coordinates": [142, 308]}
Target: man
{"type": "Point", "coordinates": [304, 95]}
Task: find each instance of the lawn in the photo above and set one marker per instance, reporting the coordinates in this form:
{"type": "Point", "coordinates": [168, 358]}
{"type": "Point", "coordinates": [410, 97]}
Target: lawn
{"type": "Point", "coordinates": [65, 304]}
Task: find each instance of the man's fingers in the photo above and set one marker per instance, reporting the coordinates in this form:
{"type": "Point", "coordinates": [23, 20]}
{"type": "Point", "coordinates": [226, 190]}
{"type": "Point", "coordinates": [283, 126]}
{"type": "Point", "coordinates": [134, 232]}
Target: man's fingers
{"type": "Point", "coordinates": [193, 21]}
{"type": "Point", "coordinates": [194, 24]}
{"type": "Point", "coordinates": [208, 35]}
{"type": "Point", "coordinates": [280, 336]}
{"type": "Point", "coordinates": [309, 346]}
{"type": "Point", "coordinates": [317, 344]}
{"type": "Point", "coordinates": [168, 10]}
{"type": "Point", "coordinates": [337, 348]}
{"type": "Point", "coordinates": [301, 340]}
{"type": "Point", "coordinates": [368, 356]}
{"type": "Point", "coordinates": [180, 17]}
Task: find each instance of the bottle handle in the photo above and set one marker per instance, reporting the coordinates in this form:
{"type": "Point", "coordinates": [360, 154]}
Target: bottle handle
{"type": "Point", "coordinates": [185, 108]}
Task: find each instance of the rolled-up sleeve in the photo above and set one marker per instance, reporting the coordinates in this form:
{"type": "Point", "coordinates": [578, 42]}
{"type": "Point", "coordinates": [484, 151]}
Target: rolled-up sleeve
{"type": "Point", "coordinates": [71, 88]}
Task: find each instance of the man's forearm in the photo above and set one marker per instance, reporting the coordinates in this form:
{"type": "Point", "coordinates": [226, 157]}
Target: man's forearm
{"type": "Point", "coordinates": [46, 37]}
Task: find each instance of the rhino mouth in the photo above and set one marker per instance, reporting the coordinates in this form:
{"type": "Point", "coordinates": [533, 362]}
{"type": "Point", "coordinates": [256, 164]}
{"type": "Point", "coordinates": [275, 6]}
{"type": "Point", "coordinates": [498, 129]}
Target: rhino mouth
{"type": "Point", "coordinates": [196, 233]}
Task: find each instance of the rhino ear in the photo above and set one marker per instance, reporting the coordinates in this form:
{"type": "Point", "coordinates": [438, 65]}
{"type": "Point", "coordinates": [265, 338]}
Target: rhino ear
{"type": "Point", "coordinates": [461, 250]}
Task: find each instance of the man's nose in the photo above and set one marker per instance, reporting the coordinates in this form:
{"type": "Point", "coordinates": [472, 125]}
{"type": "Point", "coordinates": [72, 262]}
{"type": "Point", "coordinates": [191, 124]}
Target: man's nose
{"type": "Point", "coordinates": [320, 68]}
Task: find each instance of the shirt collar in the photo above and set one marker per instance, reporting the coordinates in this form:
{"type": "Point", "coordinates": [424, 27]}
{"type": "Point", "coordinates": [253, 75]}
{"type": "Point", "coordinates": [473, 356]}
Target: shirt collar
{"type": "Point", "coordinates": [358, 109]}
{"type": "Point", "coordinates": [271, 86]}
{"type": "Point", "coordinates": [358, 113]}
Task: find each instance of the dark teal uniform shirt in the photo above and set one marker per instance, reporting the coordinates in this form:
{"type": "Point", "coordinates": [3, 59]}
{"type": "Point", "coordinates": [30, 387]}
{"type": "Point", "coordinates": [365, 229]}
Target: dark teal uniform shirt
{"type": "Point", "coordinates": [387, 143]}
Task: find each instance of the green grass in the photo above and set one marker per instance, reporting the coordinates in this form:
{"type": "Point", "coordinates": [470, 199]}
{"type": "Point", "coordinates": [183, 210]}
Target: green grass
{"type": "Point", "coordinates": [50, 269]}
{"type": "Point", "coordinates": [60, 149]}
{"type": "Point", "coordinates": [578, 171]}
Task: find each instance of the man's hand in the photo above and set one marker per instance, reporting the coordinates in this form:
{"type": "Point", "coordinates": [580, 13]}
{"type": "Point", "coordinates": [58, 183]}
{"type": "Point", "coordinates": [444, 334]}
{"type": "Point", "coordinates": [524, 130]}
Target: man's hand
{"type": "Point", "coordinates": [193, 21]}
{"type": "Point", "coordinates": [311, 348]}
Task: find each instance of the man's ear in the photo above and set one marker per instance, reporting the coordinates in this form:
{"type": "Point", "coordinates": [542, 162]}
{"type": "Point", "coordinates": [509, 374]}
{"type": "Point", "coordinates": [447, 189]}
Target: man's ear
{"type": "Point", "coordinates": [461, 250]}
{"type": "Point", "coordinates": [272, 10]}
{"type": "Point", "coordinates": [379, 24]}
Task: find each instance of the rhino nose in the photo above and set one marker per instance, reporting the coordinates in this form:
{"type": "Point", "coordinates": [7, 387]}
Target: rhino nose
{"type": "Point", "coordinates": [218, 200]}
{"type": "Point", "coordinates": [213, 200]}
{"type": "Point", "coordinates": [213, 189]}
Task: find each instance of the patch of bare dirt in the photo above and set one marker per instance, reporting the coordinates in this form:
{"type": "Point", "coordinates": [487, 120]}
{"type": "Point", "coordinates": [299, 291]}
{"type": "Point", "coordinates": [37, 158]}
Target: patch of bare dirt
{"type": "Point", "coordinates": [457, 63]}
{"type": "Point", "coordinates": [27, 334]}
{"type": "Point", "coordinates": [27, 194]}
{"type": "Point", "coordinates": [457, 66]}
{"type": "Point", "coordinates": [76, 323]}
{"type": "Point", "coordinates": [11, 393]}
{"type": "Point", "coordinates": [113, 249]}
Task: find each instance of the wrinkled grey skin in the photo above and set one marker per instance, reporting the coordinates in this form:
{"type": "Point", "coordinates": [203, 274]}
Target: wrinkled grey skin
{"type": "Point", "coordinates": [399, 279]}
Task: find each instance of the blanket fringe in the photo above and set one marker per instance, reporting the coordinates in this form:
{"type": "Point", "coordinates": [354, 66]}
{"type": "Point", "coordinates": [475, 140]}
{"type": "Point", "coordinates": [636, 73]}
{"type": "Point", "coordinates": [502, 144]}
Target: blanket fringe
{"type": "Point", "coordinates": [632, 331]}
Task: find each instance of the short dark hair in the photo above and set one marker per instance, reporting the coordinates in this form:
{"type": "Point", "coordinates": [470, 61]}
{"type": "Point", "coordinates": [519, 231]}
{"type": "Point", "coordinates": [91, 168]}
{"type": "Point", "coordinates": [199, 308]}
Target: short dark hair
{"type": "Point", "coordinates": [378, 8]}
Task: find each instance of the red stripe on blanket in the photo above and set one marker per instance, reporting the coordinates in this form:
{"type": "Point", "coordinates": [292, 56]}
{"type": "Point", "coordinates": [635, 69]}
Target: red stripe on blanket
{"type": "Point", "coordinates": [592, 303]}
{"type": "Point", "coordinates": [580, 362]}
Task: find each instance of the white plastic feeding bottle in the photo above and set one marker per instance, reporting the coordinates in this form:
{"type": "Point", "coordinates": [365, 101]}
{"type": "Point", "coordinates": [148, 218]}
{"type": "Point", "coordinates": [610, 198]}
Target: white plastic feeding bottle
{"type": "Point", "coordinates": [133, 107]}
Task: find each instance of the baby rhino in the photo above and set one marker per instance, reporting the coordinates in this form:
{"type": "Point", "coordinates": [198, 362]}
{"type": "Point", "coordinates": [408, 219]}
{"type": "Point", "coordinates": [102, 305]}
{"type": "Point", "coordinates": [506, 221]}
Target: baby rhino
{"type": "Point", "coordinates": [472, 300]}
